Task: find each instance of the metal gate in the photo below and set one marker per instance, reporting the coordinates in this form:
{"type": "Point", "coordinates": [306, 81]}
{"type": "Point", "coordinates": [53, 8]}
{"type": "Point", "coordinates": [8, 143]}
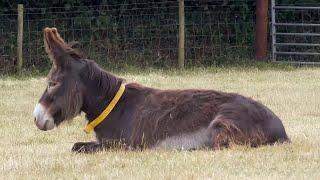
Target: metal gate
{"type": "Point", "coordinates": [282, 32]}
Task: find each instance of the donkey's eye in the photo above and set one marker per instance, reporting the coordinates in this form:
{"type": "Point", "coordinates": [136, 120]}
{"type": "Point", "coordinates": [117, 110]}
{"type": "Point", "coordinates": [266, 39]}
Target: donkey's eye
{"type": "Point", "coordinates": [52, 84]}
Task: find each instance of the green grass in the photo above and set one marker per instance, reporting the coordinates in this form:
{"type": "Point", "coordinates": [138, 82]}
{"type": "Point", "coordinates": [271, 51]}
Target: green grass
{"type": "Point", "coordinates": [292, 93]}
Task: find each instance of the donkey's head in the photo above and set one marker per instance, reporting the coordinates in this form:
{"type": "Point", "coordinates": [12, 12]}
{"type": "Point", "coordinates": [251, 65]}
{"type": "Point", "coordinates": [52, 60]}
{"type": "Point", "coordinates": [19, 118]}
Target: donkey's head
{"type": "Point", "coordinates": [63, 97]}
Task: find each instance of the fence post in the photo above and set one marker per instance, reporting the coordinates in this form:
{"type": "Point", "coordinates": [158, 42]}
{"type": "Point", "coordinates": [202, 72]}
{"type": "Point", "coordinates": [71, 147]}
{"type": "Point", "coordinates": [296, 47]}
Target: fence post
{"type": "Point", "coordinates": [20, 37]}
{"type": "Point", "coordinates": [181, 50]}
{"type": "Point", "coordinates": [261, 41]}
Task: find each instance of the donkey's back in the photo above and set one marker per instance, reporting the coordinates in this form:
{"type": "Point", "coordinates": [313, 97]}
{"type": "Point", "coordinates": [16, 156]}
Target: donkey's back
{"type": "Point", "coordinates": [193, 119]}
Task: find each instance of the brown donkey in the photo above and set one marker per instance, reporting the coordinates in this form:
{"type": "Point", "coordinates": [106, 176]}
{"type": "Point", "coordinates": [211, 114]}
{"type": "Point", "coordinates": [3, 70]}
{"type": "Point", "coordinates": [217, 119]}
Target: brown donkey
{"type": "Point", "coordinates": [135, 116]}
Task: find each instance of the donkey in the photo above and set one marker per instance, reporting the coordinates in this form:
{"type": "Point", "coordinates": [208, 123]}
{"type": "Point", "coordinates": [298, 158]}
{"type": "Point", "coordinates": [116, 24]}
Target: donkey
{"type": "Point", "coordinates": [134, 116]}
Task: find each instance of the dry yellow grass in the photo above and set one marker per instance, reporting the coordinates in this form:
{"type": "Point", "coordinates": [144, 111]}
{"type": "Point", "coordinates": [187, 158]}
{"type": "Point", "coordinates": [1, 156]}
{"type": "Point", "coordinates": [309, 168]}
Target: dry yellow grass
{"type": "Point", "coordinates": [28, 153]}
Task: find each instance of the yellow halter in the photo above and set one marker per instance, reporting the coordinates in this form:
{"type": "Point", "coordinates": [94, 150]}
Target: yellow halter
{"type": "Point", "coordinates": [90, 126]}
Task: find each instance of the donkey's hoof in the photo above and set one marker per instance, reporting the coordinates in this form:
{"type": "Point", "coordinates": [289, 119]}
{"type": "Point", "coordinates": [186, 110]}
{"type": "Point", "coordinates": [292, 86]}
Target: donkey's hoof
{"type": "Point", "coordinates": [79, 147]}
{"type": "Point", "coordinates": [86, 147]}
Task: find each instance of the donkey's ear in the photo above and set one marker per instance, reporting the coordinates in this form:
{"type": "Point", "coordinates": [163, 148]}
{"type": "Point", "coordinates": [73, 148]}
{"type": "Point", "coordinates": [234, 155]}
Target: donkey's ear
{"type": "Point", "coordinates": [55, 46]}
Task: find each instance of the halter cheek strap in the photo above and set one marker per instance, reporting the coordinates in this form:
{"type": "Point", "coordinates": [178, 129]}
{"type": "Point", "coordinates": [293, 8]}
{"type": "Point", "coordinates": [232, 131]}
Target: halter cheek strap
{"type": "Point", "coordinates": [90, 126]}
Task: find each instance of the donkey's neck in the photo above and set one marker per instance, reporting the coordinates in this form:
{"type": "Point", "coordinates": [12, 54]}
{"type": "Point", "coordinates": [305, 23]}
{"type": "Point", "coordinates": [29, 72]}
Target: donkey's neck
{"type": "Point", "coordinates": [101, 87]}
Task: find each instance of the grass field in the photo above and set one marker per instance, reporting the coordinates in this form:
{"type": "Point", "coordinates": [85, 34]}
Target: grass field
{"type": "Point", "coordinates": [293, 94]}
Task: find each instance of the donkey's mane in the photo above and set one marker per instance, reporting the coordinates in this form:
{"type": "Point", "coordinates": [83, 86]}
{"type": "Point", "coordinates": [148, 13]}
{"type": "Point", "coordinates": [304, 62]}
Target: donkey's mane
{"type": "Point", "coordinates": [101, 84]}
{"type": "Point", "coordinates": [105, 80]}
{"type": "Point", "coordinates": [74, 53]}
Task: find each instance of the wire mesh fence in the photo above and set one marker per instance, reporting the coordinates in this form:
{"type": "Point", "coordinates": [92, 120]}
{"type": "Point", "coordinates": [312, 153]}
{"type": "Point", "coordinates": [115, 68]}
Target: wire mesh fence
{"type": "Point", "coordinates": [130, 33]}
{"type": "Point", "coordinates": [8, 39]}
{"type": "Point", "coordinates": [217, 31]}
{"type": "Point", "coordinates": [144, 34]}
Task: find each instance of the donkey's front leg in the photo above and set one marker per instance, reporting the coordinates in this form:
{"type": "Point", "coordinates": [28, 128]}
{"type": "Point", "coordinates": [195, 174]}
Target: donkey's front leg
{"type": "Point", "coordinates": [87, 147]}
{"type": "Point", "coordinates": [92, 147]}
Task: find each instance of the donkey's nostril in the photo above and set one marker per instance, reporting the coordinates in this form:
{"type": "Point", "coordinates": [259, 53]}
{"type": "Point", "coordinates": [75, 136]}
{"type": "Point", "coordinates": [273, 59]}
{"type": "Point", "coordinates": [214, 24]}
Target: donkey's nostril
{"type": "Point", "coordinates": [35, 119]}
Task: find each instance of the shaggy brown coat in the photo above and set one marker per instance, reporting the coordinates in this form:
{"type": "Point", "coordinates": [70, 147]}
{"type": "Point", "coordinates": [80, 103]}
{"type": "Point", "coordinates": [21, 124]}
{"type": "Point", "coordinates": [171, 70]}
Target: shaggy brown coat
{"type": "Point", "coordinates": [148, 117]}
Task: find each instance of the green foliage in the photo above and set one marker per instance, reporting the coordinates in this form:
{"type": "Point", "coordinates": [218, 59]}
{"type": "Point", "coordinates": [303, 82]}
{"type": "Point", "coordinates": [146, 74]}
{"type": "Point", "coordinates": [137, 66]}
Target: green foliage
{"type": "Point", "coordinates": [139, 34]}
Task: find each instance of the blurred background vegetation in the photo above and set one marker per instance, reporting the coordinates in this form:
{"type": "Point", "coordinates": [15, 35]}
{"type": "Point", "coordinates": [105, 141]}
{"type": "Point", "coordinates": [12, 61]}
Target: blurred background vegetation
{"type": "Point", "coordinates": [131, 32]}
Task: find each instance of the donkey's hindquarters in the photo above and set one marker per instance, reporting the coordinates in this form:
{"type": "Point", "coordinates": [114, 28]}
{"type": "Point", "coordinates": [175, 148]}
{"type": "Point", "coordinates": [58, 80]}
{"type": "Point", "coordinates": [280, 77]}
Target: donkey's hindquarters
{"type": "Point", "coordinates": [242, 121]}
{"type": "Point", "coordinates": [248, 122]}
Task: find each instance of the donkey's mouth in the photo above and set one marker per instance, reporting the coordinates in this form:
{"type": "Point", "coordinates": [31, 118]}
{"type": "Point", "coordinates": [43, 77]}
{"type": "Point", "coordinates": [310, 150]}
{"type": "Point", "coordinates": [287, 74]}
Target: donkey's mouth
{"type": "Point", "coordinates": [48, 125]}
{"type": "Point", "coordinates": [40, 127]}
{"type": "Point", "coordinates": [43, 128]}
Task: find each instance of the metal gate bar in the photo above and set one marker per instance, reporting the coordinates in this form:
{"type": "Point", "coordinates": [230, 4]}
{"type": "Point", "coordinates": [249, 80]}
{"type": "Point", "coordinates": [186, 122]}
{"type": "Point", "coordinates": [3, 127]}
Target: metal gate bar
{"type": "Point", "coordinates": [296, 7]}
{"type": "Point", "coordinates": [298, 34]}
{"type": "Point", "coordinates": [296, 24]}
{"type": "Point", "coordinates": [298, 53]}
{"type": "Point", "coordinates": [297, 44]}
{"type": "Point", "coordinates": [274, 34]}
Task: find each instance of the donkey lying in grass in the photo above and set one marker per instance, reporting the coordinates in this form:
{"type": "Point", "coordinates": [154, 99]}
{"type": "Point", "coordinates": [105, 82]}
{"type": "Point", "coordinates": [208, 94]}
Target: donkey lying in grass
{"type": "Point", "coordinates": [136, 116]}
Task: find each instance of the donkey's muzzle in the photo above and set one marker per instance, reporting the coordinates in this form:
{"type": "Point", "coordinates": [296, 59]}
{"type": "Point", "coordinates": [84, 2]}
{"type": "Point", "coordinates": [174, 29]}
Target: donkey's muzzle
{"type": "Point", "coordinates": [42, 118]}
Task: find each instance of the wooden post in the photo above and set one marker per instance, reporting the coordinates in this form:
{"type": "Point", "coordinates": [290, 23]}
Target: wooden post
{"type": "Point", "coordinates": [261, 41]}
{"type": "Point", "coordinates": [181, 51]}
{"type": "Point", "coordinates": [20, 37]}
